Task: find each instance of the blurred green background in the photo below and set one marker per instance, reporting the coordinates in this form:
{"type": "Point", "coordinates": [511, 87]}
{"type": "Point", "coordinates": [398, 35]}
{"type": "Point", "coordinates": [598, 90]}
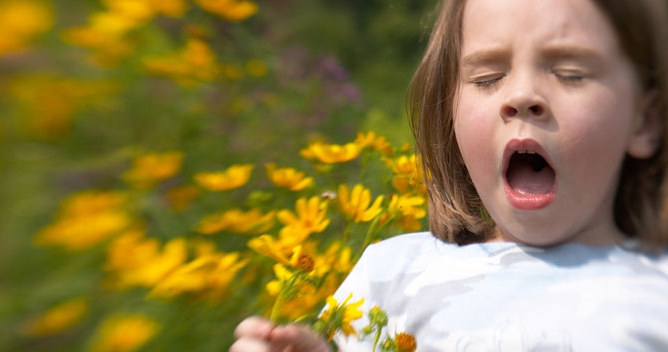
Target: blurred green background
{"type": "Point", "coordinates": [81, 94]}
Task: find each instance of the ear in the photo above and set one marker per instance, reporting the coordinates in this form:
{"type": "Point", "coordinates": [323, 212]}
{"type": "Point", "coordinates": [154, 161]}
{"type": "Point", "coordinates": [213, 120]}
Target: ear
{"type": "Point", "coordinates": [647, 128]}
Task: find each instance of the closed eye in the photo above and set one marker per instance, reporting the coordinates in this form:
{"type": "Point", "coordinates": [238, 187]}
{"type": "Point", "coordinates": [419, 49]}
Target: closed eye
{"type": "Point", "coordinates": [570, 76]}
{"type": "Point", "coordinates": [486, 81]}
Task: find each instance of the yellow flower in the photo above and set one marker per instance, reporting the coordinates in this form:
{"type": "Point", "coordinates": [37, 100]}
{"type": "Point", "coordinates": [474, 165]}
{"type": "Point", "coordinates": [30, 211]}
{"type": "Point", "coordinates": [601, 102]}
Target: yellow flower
{"type": "Point", "coordinates": [288, 178]}
{"type": "Point", "coordinates": [311, 217]}
{"type": "Point", "coordinates": [268, 246]}
{"type": "Point", "coordinates": [233, 177]}
{"type": "Point", "coordinates": [136, 261]}
{"type": "Point", "coordinates": [49, 104]}
{"type": "Point", "coordinates": [172, 8]}
{"type": "Point", "coordinates": [105, 35]}
{"type": "Point", "coordinates": [376, 142]}
{"type": "Point", "coordinates": [336, 258]}
{"type": "Point", "coordinates": [195, 63]}
{"type": "Point", "coordinates": [151, 168]}
{"type": "Point", "coordinates": [409, 209]}
{"type": "Point", "coordinates": [356, 203]}
{"type": "Point", "coordinates": [340, 316]}
{"type": "Point", "coordinates": [235, 220]}
{"type": "Point", "coordinates": [408, 175]}
{"type": "Point", "coordinates": [20, 22]}
{"type": "Point", "coordinates": [58, 318]}
{"type": "Point", "coordinates": [331, 153]}
{"type": "Point", "coordinates": [180, 198]}
{"type": "Point", "coordinates": [231, 10]}
{"type": "Point", "coordinates": [136, 10]}
{"type": "Point", "coordinates": [208, 275]}
{"type": "Point", "coordinates": [123, 333]}
{"type": "Point", "coordinates": [85, 219]}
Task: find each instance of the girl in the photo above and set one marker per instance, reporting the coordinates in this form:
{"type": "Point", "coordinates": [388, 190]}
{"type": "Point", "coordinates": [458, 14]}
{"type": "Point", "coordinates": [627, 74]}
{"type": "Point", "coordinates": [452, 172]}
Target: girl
{"type": "Point", "coordinates": [542, 125]}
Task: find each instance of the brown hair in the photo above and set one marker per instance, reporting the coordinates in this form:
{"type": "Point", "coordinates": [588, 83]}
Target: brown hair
{"type": "Point", "coordinates": [456, 213]}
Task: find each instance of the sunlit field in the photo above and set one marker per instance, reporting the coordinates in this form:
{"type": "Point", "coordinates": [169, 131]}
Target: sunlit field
{"type": "Point", "coordinates": [169, 167]}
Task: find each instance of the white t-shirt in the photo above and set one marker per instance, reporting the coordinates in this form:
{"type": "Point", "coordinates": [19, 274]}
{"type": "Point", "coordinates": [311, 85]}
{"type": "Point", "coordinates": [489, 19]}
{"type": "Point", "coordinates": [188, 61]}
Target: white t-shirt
{"type": "Point", "coordinates": [503, 296]}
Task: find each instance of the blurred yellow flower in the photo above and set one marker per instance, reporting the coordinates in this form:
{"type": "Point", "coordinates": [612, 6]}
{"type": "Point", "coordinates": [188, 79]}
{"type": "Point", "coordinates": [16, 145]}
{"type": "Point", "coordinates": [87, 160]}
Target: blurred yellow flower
{"type": "Point", "coordinates": [233, 177]}
{"type": "Point", "coordinates": [105, 35]}
{"type": "Point", "coordinates": [337, 258]}
{"type": "Point", "coordinates": [133, 260]}
{"type": "Point", "coordinates": [208, 275]}
{"type": "Point", "coordinates": [357, 204]}
{"type": "Point", "coordinates": [123, 333]}
{"type": "Point", "coordinates": [235, 220]}
{"type": "Point", "coordinates": [288, 178]}
{"type": "Point", "coordinates": [20, 22]}
{"type": "Point", "coordinates": [409, 209]}
{"type": "Point", "coordinates": [50, 103]}
{"type": "Point", "coordinates": [57, 319]}
{"type": "Point", "coordinates": [310, 217]}
{"type": "Point", "coordinates": [145, 10]}
{"type": "Point", "coordinates": [376, 142]}
{"type": "Point", "coordinates": [135, 10]}
{"type": "Point", "coordinates": [85, 219]}
{"type": "Point", "coordinates": [151, 168]}
{"type": "Point", "coordinates": [231, 10]}
{"type": "Point", "coordinates": [179, 198]}
{"type": "Point", "coordinates": [340, 316]}
{"type": "Point", "coordinates": [195, 63]}
{"type": "Point", "coordinates": [408, 175]}
{"type": "Point", "coordinates": [331, 153]}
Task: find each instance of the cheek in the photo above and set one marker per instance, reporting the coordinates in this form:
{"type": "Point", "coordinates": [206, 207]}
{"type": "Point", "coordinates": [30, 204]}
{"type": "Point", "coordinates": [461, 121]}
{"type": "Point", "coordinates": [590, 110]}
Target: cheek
{"type": "Point", "coordinates": [596, 133]}
{"type": "Point", "coordinates": [475, 134]}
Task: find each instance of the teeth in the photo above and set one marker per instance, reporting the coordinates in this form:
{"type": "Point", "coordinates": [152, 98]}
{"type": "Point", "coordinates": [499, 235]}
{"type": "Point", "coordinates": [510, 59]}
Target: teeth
{"type": "Point", "coordinates": [524, 151]}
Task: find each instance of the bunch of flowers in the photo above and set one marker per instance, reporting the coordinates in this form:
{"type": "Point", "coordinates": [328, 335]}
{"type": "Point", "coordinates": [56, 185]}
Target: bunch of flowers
{"type": "Point", "coordinates": [301, 255]}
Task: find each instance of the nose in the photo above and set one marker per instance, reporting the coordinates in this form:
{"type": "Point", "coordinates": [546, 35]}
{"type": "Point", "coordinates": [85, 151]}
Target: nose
{"type": "Point", "coordinates": [523, 100]}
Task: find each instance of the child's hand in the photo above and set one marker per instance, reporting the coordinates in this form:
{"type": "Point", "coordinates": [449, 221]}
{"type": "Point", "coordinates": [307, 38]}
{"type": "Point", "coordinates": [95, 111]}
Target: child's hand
{"type": "Point", "coordinates": [257, 334]}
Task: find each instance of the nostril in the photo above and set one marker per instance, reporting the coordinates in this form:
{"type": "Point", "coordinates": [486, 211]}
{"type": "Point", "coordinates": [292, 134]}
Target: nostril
{"type": "Point", "coordinates": [508, 111]}
{"type": "Point", "coordinates": [536, 109]}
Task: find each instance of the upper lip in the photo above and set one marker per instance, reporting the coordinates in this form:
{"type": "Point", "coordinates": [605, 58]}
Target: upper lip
{"type": "Point", "coordinates": [523, 145]}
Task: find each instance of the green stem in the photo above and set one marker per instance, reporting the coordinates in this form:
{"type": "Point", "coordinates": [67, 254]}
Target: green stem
{"type": "Point", "coordinates": [376, 339]}
{"type": "Point", "coordinates": [275, 310]}
{"type": "Point", "coordinates": [369, 233]}
{"type": "Point", "coordinates": [346, 232]}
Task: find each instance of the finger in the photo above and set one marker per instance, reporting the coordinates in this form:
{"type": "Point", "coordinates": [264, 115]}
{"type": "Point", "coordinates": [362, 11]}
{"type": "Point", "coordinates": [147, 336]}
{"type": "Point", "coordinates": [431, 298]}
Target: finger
{"type": "Point", "coordinates": [297, 338]}
{"type": "Point", "coordinates": [250, 345]}
{"type": "Point", "coordinates": [255, 327]}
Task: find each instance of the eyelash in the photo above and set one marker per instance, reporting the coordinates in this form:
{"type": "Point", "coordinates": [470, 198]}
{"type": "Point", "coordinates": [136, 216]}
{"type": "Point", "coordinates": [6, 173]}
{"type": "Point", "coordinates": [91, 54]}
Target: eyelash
{"type": "Point", "coordinates": [487, 82]}
{"type": "Point", "coordinates": [568, 78]}
{"type": "Point", "coordinates": [574, 77]}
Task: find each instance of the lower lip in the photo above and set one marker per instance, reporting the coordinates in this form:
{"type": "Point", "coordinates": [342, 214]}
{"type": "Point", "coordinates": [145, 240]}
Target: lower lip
{"type": "Point", "coordinates": [529, 201]}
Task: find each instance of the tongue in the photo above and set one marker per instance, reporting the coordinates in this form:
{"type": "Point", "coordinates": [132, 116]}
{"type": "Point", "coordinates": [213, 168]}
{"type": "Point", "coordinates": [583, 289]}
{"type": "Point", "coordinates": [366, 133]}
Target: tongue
{"type": "Point", "coordinates": [523, 179]}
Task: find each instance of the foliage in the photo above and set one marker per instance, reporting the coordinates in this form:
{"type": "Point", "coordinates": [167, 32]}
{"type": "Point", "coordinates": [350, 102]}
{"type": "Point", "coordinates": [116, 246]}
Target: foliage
{"type": "Point", "coordinates": [170, 167]}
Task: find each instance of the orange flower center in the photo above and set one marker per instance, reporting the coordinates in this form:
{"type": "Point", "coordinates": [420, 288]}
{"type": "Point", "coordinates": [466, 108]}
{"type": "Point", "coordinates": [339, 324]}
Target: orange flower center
{"type": "Point", "coordinates": [405, 342]}
{"type": "Point", "coordinates": [305, 263]}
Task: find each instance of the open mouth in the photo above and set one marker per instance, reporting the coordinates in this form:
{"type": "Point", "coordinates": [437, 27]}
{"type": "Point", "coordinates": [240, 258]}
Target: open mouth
{"type": "Point", "coordinates": [530, 179]}
{"type": "Point", "coordinates": [529, 173]}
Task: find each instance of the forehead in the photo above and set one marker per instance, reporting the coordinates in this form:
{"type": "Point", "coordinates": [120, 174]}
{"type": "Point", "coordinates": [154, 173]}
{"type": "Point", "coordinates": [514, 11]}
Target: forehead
{"type": "Point", "coordinates": [503, 23]}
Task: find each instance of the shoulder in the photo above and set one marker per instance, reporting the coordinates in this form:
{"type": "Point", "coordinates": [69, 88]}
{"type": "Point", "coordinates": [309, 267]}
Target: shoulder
{"type": "Point", "coordinates": [401, 254]}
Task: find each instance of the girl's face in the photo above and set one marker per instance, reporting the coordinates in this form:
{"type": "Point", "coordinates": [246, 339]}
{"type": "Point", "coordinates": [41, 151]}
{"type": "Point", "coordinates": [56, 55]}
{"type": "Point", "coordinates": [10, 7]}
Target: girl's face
{"type": "Point", "coordinates": [546, 109]}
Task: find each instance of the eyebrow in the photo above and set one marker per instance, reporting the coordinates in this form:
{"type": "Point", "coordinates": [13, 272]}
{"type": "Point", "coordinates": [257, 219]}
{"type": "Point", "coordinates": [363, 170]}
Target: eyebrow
{"type": "Point", "coordinates": [496, 55]}
{"type": "Point", "coordinates": [485, 57]}
{"type": "Point", "coordinates": [571, 52]}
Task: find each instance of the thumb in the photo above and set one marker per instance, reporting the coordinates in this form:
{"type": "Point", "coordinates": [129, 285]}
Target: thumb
{"type": "Point", "coordinates": [297, 338]}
